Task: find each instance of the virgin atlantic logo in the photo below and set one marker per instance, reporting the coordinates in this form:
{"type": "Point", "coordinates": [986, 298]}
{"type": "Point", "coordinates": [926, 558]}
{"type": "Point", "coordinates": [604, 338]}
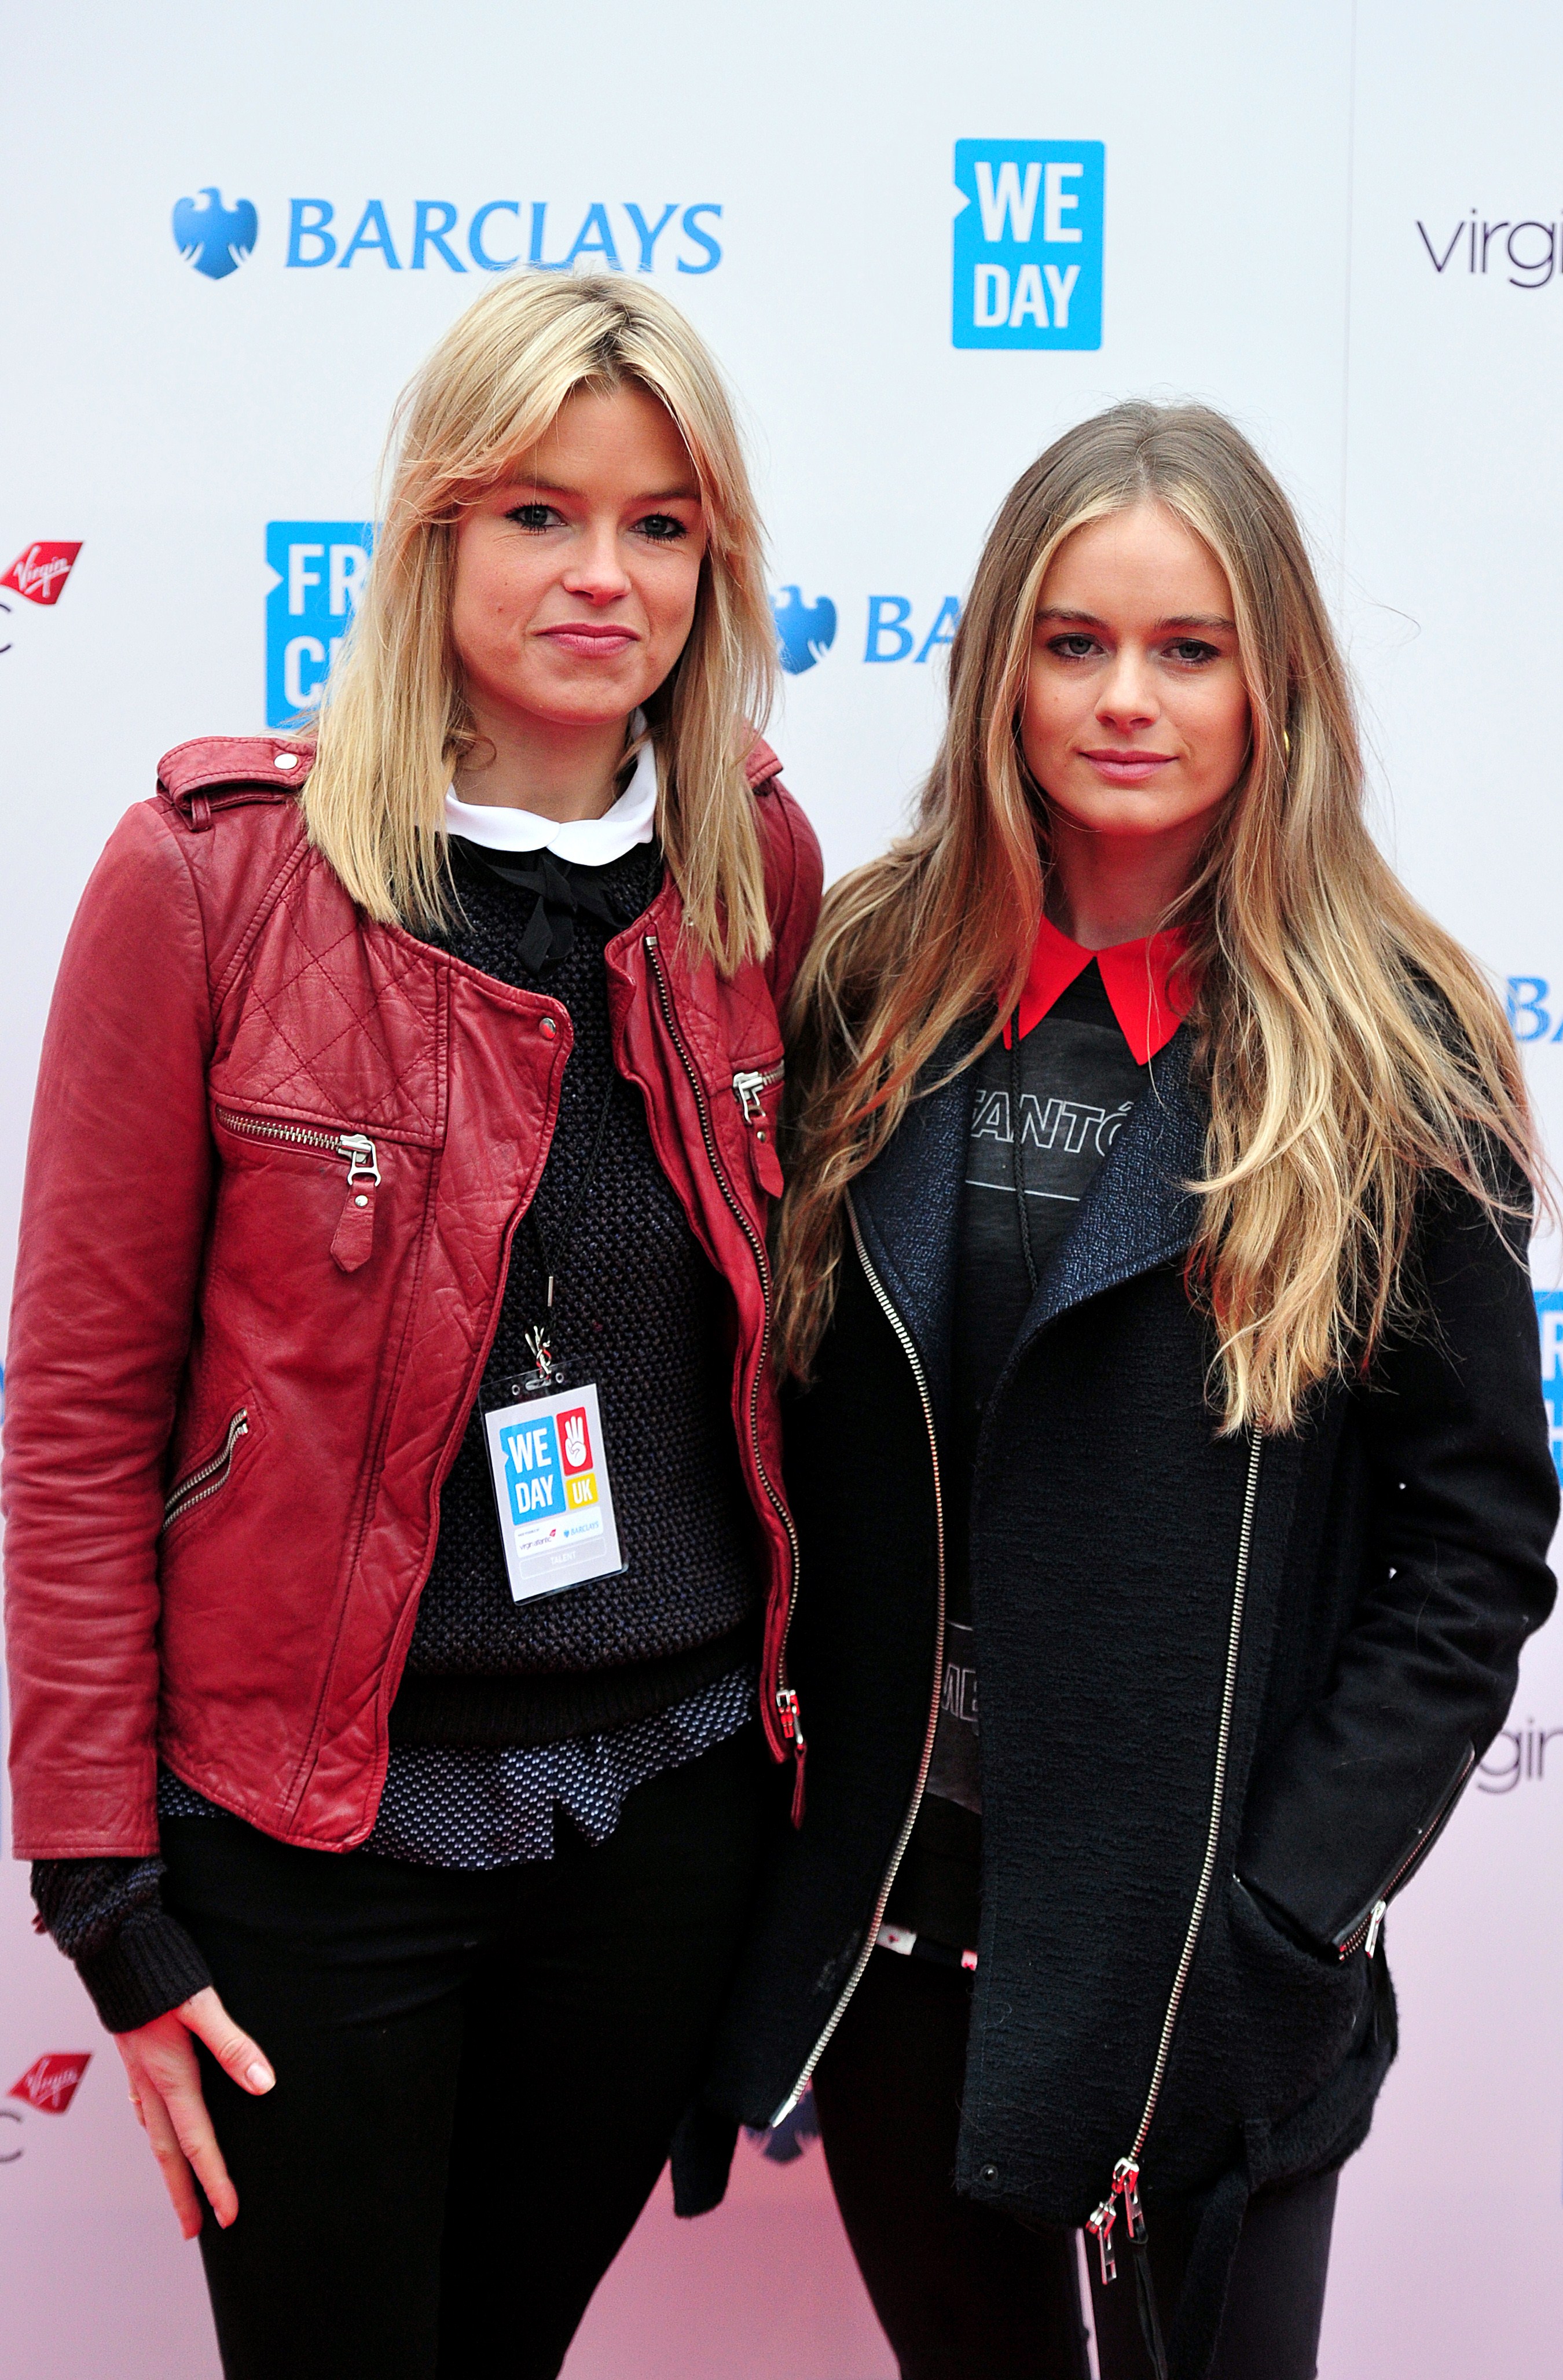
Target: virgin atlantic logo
{"type": "Point", "coordinates": [51, 2081]}
{"type": "Point", "coordinates": [40, 570]}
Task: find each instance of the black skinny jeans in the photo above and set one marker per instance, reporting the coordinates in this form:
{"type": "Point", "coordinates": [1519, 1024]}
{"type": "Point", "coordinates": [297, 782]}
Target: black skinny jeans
{"type": "Point", "coordinates": [965, 2293]}
{"type": "Point", "coordinates": [477, 2075]}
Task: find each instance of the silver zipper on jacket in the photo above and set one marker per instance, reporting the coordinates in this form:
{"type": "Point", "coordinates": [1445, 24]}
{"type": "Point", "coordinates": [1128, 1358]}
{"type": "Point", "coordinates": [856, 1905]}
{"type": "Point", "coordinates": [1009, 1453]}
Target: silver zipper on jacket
{"type": "Point", "coordinates": [1126, 2173]}
{"type": "Point", "coordinates": [869, 1938]}
{"type": "Point", "coordinates": [786, 1700]}
{"type": "Point", "coordinates": [751, 1084]}
{"type": "Point", "coordinates": [204, 1482]}
{"type": "Point", "coordinates": [1365, 1934]}
{"type": "Point", "coordinates": [356, 1147]}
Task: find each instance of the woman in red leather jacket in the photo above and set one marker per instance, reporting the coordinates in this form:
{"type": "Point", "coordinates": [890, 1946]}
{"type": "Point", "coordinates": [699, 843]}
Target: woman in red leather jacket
{"type": "Point", "coordinates": [395, 1528]}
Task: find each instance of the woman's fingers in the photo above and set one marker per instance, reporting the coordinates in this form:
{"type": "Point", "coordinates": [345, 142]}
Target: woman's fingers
{"type": "Point", "coordinates": [166, 2092]}
{"type": "Point", "coordinates": [184, 2111]}
{"type": "Point", "coordinates": [171, 2161]}
{"type": "Point", "coordinates": [241, 2060]}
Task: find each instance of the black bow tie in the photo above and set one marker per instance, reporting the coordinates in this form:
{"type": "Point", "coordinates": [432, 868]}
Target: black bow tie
{"type": "Point", "coordinates": [560, 896]}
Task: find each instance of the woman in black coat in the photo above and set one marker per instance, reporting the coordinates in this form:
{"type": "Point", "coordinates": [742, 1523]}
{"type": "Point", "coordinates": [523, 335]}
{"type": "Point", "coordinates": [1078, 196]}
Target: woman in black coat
{"type": "Point", "coordinates": [1153, 1264]}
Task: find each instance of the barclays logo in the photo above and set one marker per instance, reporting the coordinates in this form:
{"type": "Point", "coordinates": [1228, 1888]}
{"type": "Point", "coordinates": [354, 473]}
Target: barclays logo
{"type": "Point", "coordinates": [1529, 1009]}
{"type": "Point", "coordinates": [213, 238]}
{"type": "Point", "coordinates": [435, 234]}
{"type": "Point", "coordinates": [1028, 244]}
{"type": "Point", "coordinates": [896, 627]}
{"type": "Point", "coordinates": [500, 234]}
{"type": "Point", "coordinates": [805, 632]}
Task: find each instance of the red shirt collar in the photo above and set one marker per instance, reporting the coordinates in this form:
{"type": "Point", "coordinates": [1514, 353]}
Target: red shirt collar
{"type": "Point", "coordinates": [1137, 977]}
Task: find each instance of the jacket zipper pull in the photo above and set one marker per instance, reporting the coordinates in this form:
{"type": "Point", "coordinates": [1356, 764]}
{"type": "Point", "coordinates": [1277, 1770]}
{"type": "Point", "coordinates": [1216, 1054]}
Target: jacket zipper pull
{"type": "Point", "coordinates": [355, 1229]}
{"type": "Point", "coordinates": [1101, 2229]}
{"type": "Point", "coordinates": [1375, 1926]}
{"type": "Point", "coordinates": [748, 1085]}
{"type": "Point", "coordinates": [792, 1729]}
{"type": "Point", "coordinates": [1125, 2184]}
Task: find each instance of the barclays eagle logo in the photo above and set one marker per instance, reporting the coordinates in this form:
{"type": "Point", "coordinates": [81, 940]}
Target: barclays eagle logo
{"type": "Point", "coordinates": [214, 237]}
{"type": "Point", "coordinates": [805, 631]}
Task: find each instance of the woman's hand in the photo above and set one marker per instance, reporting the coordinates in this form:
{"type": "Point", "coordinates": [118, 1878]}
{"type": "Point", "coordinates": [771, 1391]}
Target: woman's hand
{"type": "Point", "coordinates": [165, 2093]}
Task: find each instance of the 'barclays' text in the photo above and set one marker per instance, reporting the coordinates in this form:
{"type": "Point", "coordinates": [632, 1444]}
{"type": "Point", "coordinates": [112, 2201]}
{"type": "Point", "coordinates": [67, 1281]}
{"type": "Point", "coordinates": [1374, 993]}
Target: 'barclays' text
{"type": "Point", "coordinates": [432, 235]}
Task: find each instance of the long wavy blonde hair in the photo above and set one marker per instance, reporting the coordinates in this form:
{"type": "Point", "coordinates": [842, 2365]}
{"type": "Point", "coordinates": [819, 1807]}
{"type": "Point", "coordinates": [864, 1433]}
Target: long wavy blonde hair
{"type": "Point", "coordinates": [395, 723]}
{"type": "Point", "coordinates": [1349, 1047]}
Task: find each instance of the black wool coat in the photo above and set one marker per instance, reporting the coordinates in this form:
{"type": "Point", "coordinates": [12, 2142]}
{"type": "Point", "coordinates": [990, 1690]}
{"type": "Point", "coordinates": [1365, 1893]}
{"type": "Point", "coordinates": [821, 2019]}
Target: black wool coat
{"type": "Point", "coordinates": [1331, 1619]}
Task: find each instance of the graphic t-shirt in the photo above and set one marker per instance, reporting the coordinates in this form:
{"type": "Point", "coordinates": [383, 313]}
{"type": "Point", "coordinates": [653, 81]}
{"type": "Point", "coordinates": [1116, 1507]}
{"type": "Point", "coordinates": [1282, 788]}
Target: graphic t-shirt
{"type": "Point", "coordinates": [1078, 1085]}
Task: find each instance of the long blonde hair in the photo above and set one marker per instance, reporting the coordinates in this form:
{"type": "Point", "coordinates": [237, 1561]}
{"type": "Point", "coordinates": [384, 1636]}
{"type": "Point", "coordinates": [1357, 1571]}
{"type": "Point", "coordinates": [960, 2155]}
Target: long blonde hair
{"type": "Point", "coordinates": [1349, 1047]}
{"type": "Point", "coordinates": [394, 721]}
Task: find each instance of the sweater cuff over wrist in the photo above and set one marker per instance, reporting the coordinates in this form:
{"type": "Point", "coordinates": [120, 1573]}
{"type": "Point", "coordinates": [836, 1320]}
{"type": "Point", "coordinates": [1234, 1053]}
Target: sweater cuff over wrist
{"type": "Point", "coordinates": [149, 1966]}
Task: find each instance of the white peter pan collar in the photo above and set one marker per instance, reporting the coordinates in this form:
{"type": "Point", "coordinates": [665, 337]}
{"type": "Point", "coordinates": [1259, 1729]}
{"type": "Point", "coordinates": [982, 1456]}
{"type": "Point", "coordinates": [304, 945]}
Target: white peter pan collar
{"type": "Point", "coordinates": [592, 843]}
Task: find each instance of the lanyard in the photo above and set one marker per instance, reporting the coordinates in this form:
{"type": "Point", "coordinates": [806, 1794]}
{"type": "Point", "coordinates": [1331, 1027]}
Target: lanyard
{"type": "Point", "coordinates": [545, 1372]}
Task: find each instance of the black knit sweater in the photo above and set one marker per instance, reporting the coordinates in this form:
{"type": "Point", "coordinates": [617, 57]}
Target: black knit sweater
{"type": "Point", "coordinates": [638, 1308]}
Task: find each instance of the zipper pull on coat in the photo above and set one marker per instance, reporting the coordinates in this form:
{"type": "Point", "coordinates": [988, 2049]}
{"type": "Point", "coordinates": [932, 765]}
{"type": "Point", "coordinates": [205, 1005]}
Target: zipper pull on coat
{"type": "Point", "coordinates": [1101, 2229]}
{"type": "Point", "coordinates": [750, 1085]}
{"type": "Point", "coordinates": [354, 1237]}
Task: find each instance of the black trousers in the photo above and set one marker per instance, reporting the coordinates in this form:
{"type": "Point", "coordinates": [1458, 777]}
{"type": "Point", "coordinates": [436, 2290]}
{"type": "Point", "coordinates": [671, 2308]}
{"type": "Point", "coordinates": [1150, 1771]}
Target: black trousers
{"type": "Point", "coordinates": [477, 2075]}
{"type": "Point", "coordinates": [965, 2293]}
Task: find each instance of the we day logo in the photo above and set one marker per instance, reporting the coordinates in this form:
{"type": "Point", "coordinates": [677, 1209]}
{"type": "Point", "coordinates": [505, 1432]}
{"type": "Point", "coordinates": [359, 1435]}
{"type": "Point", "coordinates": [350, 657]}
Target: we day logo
{"type": "Point", "coordinates": [549, 1470]}
{"type": "Point", "coordinates": [1028, 244]}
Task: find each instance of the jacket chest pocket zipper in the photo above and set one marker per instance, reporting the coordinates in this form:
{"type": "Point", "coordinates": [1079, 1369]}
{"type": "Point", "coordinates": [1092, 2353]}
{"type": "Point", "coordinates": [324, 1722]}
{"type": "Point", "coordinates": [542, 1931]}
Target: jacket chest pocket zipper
{"type": "Point", "coordinates": [207, 1478]}
{"type": "Point", "coordinates": [354, 1237]}
{"type": "Point", "coordinates": [750, 1087]}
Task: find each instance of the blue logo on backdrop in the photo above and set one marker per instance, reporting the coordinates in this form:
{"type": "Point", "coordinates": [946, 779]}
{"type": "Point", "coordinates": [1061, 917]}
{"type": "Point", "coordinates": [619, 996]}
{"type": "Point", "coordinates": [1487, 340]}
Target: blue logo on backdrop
{"type": "Point", "coordinates": [214, 237]}
{"type": "Point", "coordinates": [435, 234]}
{"type": "Point", "coordinates": [1028, 244]}
{"type": "Point", "coordinates": [1549, 1320]}
{"type": "Point", "coordinates": [1529, 1012]}
{"type": "Point", "coordinates": [892, 636]}
{"type": "Point", "coordinates": [431, 236]}
{"type": "Point", "coordinates": [320, 567]}
{"type": "Point", "coordinates": [805, 632]}
{"type": "Point", "coordinates": [898, 628]}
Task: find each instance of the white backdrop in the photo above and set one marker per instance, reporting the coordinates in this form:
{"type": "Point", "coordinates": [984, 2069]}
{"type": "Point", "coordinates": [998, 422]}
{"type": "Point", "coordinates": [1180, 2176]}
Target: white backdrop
{"type": "Point", "coordinates": [1289, 202]}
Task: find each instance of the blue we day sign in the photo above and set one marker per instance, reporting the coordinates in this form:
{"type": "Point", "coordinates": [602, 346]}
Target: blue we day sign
{"type": "Point", "coordinates": [1028, 244]}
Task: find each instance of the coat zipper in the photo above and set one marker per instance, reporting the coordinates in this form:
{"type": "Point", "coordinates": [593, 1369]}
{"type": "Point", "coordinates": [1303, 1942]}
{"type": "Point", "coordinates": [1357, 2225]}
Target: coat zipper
{"type": "Point", "coordinates": [870, 1937]}
{"type": "Point", "coordinates": [210, 1476]}
{"type": "Point", "coordinates": [1365, 1934]}
{"type": "Point", "coordinates": [788, 1714]}
{"type": "Point", "coordinates": [1126, 2173]}
{"type": "Point", "coordinates": [750, 1084]}
{"type": "Point", "coordinates": [362, 1159]}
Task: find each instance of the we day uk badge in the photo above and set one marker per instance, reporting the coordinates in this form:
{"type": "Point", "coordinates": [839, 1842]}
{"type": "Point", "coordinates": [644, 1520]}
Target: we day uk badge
{"type": "Point", "coordinates": [550, 1486]}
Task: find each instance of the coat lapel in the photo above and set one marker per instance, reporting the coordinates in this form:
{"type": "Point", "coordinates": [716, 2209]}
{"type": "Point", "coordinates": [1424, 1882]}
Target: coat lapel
{"type": "Point", "coordinates": [907, 1208]}
{"type": "Point", "coordinates": [1136, 1213]}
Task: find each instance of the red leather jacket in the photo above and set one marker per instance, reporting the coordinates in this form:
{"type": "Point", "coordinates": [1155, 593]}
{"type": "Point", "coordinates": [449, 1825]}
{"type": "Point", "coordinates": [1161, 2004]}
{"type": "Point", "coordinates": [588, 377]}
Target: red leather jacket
{"type": "Point", "coordinates": [278, 1158]}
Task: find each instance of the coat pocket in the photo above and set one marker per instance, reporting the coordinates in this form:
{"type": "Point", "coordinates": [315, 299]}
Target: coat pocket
{"type": "Point", "coordinates": [204, 1479]}
{"type": "Point", "coordinates": [1264, 2027]}
{"type": "Point", "coordinates": [353, 1239]}
{"type": "Point", "coordinates": [1298, 2009]}
{"type": "Point", "coordinates": [1362, 1932]}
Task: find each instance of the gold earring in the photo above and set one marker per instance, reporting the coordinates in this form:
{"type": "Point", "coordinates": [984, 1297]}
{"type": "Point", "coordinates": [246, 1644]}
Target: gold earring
{"type": "Point", "coordinates": [1286, 745]}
